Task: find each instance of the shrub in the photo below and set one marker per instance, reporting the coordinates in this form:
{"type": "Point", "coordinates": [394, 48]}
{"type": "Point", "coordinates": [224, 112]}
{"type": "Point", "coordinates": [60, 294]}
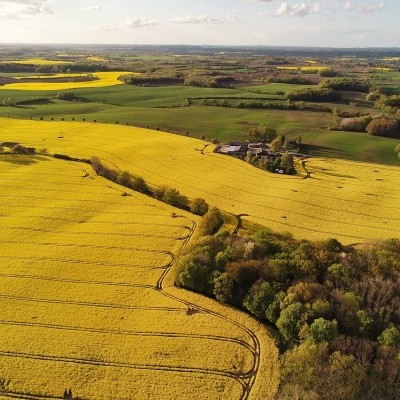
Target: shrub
{"type": "Point", "coordinates": [158, 193]}
{"type": "Point", "coordinates": [259, 299]}
{"type": "Point", "coordinates": [327, 72]}
{"type": "Point", "coordinates": [198, 206]}
{"type": "Point", "coordinates": [170, 196]}
{"type": "Point", "coordinates": [174, 198]}
{"type": "Point", "coordinates": [211, 222]}
{"type": "Point", "coordinates": [346, 84]}
{"type": "Point", "coordinates": [19, 149]}
{"type": "Point", "coordinates": [224, 287]}
{"type": "Point", "coordinates": [124, 178]}
{"type": "Point", "coordinates": [390, 337]}
{"type": "Point", "coordinates": [139, 184]}
{"type": "Point", "coordinates": [357, 124]}
{"type": "Point", "coordinates": [67, 96]}
{"type": "Point", "coordinates": [384, 126]}
{"type": "Point", "coordinates": [322, 330]}
{"type": "Point", "coordinates": [296, 79]}
{"type": "Point", "coordinates": [261, 134]}
{"type": "Point", "coordinates": [314, 94]}
{"type": "Point", "coordinates": [291, 320]}
{"type": "Point", "coordinates": [194, 272]}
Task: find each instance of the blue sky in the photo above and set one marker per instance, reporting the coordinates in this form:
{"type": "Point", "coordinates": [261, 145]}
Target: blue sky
{"type": "Point", "coordinates": [336, 23]}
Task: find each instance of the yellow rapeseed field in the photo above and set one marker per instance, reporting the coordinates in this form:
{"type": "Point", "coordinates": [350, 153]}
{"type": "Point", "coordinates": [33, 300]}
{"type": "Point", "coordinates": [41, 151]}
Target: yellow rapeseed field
{"type": "Point", "coordinates": [38, 61]}
{"type": "Point", "coordinates": [83, 300]}
{"type": "Point", "coordinates": [51, 76]}
{"type": "Point", "coordinates": [104, 79]}
{"type": "Point", "coordinates": [351, 201]}
{"type": "Point", "coordinates": [96, 58]}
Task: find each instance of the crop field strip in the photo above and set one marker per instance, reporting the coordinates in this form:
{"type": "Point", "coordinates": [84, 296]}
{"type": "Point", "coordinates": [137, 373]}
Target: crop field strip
{"type": "Point", "coordinates": [354, 201]}
{"type": "Point", "coordinates": [53, 270]}
{"type": "Point", "coordinates": [104, 79]}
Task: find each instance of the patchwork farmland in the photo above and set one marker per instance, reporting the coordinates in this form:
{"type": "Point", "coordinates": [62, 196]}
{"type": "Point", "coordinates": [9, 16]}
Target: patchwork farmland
{"type": "Point", "coordinates": [354, 202]}
{"type": "Point", "coordinates": [85, 304]}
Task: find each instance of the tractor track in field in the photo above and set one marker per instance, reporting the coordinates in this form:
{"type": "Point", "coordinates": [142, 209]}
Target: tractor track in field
{"type": "Point", "coordinates": [239, 377]}
{"type": "Point", "coordinates": [128, 332]}
{"type": "Point", "coordinates": [90, 304]}
{"type": "Point", "coordinates": [106, 212]}
{"type": "Point", "coordinates": [256, 347]}
{"type": "Point", "coordinates": [69, 221]}
{"type": "Point", "coordinates": [76, 281]}
{"type": "Point", "coordinates": [84, 262]}
{"type": "Point", "coordinates": [103, 234]}
{"type": "Point", "coordinates": [246, 379]}
{"type": "Point", "coordinates": [89, 246]}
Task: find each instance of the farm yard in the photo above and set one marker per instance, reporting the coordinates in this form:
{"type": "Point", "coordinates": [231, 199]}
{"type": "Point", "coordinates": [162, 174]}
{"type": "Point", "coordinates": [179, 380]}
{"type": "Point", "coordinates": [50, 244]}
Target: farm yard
{"type": "Point", "coordinates": [85, 305]}
{"type": "Point", "coordinates": [363, 201]}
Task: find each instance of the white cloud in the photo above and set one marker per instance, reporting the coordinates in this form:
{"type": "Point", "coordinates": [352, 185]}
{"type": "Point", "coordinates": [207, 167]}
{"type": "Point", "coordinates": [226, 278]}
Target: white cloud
{"type": "Point", "coordinates": [132, 23]}
{"type": "Point", "coordinates": [298, 10]}
{"type": "Point", "coordinates": [205, 19]}
{"type": "Point", "coordinates": [373, 7]}
{"type": "Point", "coordinates": [349, 6]}
{"type": "Point", "coordinates": [23, 8]}
{"type": "Point", "coordinates": [139, 23]}
{"type": "Point", "coordinates": [94, 8]}
{"type": "Point", "coordinates": [366, 8]}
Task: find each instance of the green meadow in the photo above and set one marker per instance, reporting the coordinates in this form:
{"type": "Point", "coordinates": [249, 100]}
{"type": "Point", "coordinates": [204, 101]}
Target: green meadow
{"type": "Point", "coordinates": [167, 108]}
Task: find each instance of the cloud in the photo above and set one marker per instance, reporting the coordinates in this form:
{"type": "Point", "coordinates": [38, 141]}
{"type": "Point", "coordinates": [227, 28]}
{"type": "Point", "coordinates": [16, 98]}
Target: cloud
{"type": "Point", "coordinates": [23, 8]}
{"type": "Point", "coordinates": [137, 23]}
{"type": "Point", "coordinates": [133, 23]}
{"type": "Point", "coordinates": [298, 10]}
{"type": "Point", "coordinates": [204, 19]}
{"type": "Point", "coordinates": [366, 8]}
{"type": "Point", "coordinates": [373, 7]}
{"type": "Point", "coordinates": [94, 8]}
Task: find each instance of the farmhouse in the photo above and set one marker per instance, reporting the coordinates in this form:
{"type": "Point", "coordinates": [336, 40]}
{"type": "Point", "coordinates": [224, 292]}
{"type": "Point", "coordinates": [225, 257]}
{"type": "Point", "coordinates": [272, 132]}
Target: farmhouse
{"type": "Point", "coordinates": [241, 150]}
{"type": "Point", "coordinates": [233, 149]}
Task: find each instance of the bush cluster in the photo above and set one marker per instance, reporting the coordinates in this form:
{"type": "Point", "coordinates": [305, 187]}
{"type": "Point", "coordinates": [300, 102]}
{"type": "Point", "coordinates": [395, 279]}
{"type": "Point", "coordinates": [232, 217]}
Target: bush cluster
{"type": "Point", "coordinates": [319, 94]}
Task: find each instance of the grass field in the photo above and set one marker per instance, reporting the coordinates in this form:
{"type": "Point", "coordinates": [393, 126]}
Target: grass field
{"type": "Point", "coordinates": [351, 201]}
{"type": "Point", "coordinates": [272, 88]}
{"type": "Point", "coordinates": [165, 107]}
{"type": "Point", "coordinates": [303, 68]}
{"type": "Point", "coordinates": [84, 303]}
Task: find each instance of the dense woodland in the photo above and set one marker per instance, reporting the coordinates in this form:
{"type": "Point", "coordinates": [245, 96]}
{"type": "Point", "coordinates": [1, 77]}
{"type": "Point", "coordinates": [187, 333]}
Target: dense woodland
{"type": "Point", "coordinates": [334, 309]}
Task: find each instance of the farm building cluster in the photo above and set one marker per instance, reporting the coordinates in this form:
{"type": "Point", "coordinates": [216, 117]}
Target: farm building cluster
{"type": "Point", "coordinates": [260, 150]}
{"type": "Point", "coordinates": [262, 155]}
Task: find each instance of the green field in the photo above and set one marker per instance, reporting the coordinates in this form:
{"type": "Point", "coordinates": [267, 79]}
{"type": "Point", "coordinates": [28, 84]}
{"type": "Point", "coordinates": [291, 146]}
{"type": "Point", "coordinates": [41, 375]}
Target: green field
{"type": "Point", "coordinates": [166, 108]}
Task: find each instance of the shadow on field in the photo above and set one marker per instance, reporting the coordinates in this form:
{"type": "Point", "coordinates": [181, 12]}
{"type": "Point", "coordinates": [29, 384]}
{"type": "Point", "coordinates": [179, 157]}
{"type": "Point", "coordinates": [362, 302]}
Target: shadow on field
{"type": "Point", "coordinates": [320, 151]}
{"type": "Point", "coordinates": [22, 159]}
